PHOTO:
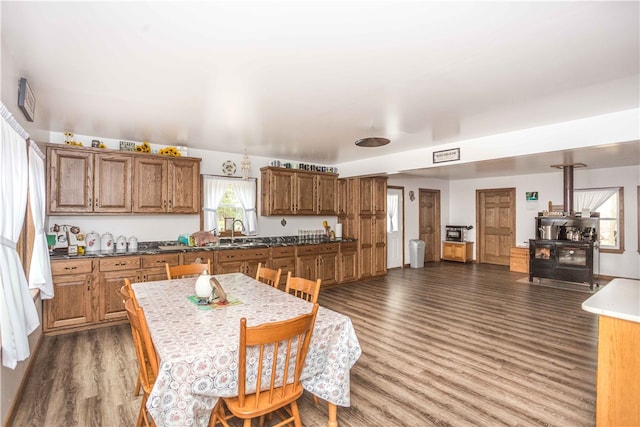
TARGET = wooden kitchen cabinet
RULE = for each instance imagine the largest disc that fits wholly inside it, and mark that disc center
(318, 262)
(241, 260)
(81, 181)
(294, 192)
(283, 257)
(519, 259)
(191, 257)
(457, 251)
(113, 271)
(72, 304)
(166, 185)
(348, 268)
(153, 266)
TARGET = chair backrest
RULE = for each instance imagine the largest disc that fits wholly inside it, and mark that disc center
(268, 275)
(280, 348)
(145, 351)
(303, 288)
(178, 271)
(127, 292)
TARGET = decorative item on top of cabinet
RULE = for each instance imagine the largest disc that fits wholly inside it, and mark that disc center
(295, 192)
(80, 181)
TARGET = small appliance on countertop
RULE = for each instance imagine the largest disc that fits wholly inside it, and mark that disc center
(455, 233)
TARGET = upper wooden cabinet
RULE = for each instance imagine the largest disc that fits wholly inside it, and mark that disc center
(293, 192)
(91, 180)
(166, 185)
(86, 182)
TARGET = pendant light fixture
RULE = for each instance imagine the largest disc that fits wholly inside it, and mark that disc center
(372, 141)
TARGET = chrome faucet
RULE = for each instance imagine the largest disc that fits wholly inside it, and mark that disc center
(233, 227)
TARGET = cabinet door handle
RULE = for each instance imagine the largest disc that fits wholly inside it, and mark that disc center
(170, 204)
(70, 268)
(88, 284)
(160, 262)
(90, 203)
(96, 203)
(164, 204)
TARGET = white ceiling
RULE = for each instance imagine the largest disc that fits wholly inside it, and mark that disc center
(304, 80)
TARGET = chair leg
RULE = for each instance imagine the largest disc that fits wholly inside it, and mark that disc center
(136, 391)
(247, 422)
(315, 400)
(296, 415)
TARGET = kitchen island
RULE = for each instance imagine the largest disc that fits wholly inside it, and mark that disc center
(618, 377)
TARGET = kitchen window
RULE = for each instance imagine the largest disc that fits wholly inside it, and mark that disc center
(608, 202)
(229, 198)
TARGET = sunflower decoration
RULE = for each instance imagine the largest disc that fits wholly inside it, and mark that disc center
(170, 151)
(143, 148)
(68, 139)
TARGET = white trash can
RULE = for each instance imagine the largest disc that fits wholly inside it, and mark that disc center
(416, 253)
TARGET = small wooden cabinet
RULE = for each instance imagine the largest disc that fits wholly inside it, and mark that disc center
(295, 192)
(457, 251)
(166, 185)
(519, 259)
(72, 304)
(82, 181)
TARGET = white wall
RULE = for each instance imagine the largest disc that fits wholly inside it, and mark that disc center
(550, 188)
(411, 208)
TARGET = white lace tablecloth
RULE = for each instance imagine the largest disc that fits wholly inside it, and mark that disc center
(198, 349)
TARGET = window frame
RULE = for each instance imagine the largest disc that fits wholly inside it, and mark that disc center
(226, 178)
(620, 220)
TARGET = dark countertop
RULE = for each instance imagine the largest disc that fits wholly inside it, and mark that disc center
(151, 248)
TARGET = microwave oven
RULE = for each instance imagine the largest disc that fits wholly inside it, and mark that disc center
(456, 233)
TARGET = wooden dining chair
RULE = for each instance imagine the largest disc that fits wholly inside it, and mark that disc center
(186, 270)
(303, 288)
(147, 358)
(268, 275)
(278, 350)
(127, 290)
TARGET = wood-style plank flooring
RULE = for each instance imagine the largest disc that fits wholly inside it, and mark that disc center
(446, 345)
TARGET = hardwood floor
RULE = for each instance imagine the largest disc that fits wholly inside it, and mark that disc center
(449, 344)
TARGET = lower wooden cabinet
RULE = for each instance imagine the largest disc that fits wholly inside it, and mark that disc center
(72, 306)
(284, 258)
(457, 251)
(318, 262)
(240, 261)
(87, 290)
(153, 266)
(348, 267)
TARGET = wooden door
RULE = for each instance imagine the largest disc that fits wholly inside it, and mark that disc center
(496, 219)
(72, 303)
(183, 186)
(379, 230)
(70, 181)
(327, 190)
(343, 197)
(429, 223)
(150, 185)
(306, 267)
(111, 306)
(328, 268)
(113, 181)
(348, 266)
(379, 193)
(305, 190)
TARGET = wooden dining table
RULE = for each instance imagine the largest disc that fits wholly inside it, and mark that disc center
(197, 345)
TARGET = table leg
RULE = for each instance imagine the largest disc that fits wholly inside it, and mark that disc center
(333, 412)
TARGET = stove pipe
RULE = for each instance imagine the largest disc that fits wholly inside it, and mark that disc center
(567, 205)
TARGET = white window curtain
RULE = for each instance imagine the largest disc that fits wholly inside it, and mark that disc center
(214, 189)
(40, 269)
(591, 199)
(18, 315)
(246, 193)
(392, 212)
